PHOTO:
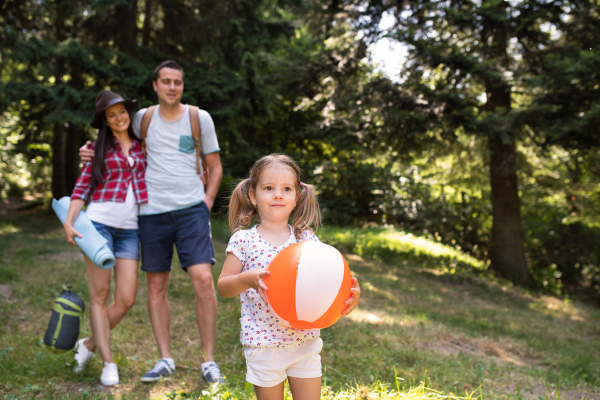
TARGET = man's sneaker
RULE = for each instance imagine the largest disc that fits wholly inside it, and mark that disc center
(160, 370)
(110, 374)
(82, 355)
(211, 372)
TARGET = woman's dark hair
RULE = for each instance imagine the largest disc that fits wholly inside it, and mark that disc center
(103, 143)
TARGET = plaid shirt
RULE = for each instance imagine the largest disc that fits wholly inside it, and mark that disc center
(117, 175)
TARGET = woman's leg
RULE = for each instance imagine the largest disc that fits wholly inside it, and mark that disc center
(126, 275)
(99, 281)
(305, 388)
(270, 393)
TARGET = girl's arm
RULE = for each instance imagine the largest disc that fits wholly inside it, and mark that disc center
(353, 300)
(233, 281)
(74, 209)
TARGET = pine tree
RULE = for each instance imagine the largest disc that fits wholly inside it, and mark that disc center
(58, 55)
(474, 68)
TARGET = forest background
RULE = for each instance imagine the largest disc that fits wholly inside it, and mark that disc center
(486, 140)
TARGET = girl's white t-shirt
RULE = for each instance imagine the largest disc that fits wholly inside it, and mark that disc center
(259, 324)
(114, 214)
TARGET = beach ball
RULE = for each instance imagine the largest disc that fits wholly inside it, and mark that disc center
(308, 285)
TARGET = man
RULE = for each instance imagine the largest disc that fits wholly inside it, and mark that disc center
(177, 213)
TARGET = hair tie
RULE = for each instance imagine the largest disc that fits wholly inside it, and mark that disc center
(300, 184)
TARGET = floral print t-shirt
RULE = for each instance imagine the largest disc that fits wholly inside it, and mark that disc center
(260, 326)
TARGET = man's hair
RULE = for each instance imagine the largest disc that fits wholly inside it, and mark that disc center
(167, 64)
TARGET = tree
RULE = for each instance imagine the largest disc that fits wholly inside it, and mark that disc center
(58, 55)
(470, 70)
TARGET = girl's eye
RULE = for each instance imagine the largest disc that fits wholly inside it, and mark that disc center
(288, 189)
(268, 187)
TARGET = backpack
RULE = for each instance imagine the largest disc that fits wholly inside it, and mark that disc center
(196, 135)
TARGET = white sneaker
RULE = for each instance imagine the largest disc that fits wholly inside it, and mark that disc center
(82, 355)
(110, 374)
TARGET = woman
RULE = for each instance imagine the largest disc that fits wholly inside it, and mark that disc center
(113, 183)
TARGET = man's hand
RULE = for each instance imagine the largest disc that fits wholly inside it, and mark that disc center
(353, 300)
(209, 203)
(211, 187)
(85, 152)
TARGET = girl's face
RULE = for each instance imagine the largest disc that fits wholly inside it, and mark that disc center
(117, 118)
(276, 194)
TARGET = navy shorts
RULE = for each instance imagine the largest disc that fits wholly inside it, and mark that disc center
(124, 243)
(187, 229)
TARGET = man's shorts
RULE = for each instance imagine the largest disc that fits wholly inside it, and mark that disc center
(269, 366)
(124, 243)
(187, 229)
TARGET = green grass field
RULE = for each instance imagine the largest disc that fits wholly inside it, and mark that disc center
(428, 327)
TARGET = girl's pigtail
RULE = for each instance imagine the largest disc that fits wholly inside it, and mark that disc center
(241, 209)
(307, 212)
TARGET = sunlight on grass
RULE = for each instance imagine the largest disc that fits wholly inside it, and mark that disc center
(377, 390)
(360, 315)
(391, 245)
(9, 228)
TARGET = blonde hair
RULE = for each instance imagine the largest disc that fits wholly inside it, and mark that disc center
(242, 211)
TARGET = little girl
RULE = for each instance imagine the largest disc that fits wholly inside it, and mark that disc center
(273, 352)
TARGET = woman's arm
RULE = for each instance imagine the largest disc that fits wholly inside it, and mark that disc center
(70, 232)
(233, 281)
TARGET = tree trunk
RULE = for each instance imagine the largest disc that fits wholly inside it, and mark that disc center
(59, 188)
(146, 27)
(72, 156)
(507, 250)
(127, 38)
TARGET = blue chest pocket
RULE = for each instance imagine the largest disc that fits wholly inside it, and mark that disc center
(187, 144)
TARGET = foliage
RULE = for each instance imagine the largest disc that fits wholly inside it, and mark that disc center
(290, 76)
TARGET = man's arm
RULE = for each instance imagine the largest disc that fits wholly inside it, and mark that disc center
(213, 161)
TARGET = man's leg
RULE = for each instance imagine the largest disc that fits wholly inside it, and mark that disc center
(206, 307)
(196, 254)
(158, 308)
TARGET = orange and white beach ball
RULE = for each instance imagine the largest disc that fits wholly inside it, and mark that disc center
(308, 285)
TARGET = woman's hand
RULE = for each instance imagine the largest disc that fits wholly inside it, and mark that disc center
(71, 232)
(353, 300)
(255, 278)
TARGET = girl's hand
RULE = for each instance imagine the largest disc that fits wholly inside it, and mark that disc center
(353, 300)
(71, 232)
(255, 279)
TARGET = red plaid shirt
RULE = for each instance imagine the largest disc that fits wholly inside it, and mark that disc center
(117, 175)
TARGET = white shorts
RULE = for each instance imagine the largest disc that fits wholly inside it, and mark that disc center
(269, 366)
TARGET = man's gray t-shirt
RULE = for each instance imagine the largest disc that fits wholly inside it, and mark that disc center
(171, 177)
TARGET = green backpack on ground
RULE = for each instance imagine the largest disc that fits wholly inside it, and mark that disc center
(63, 328)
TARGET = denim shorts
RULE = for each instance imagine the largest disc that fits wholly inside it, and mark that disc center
(187, 229)
(124, 243)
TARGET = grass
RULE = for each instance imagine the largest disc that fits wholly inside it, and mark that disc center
(421, 331)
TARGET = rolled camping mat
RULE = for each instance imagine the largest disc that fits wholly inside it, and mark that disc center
(92, 243)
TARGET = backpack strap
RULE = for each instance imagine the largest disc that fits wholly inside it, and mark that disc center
(197, 135)
(144, 126)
